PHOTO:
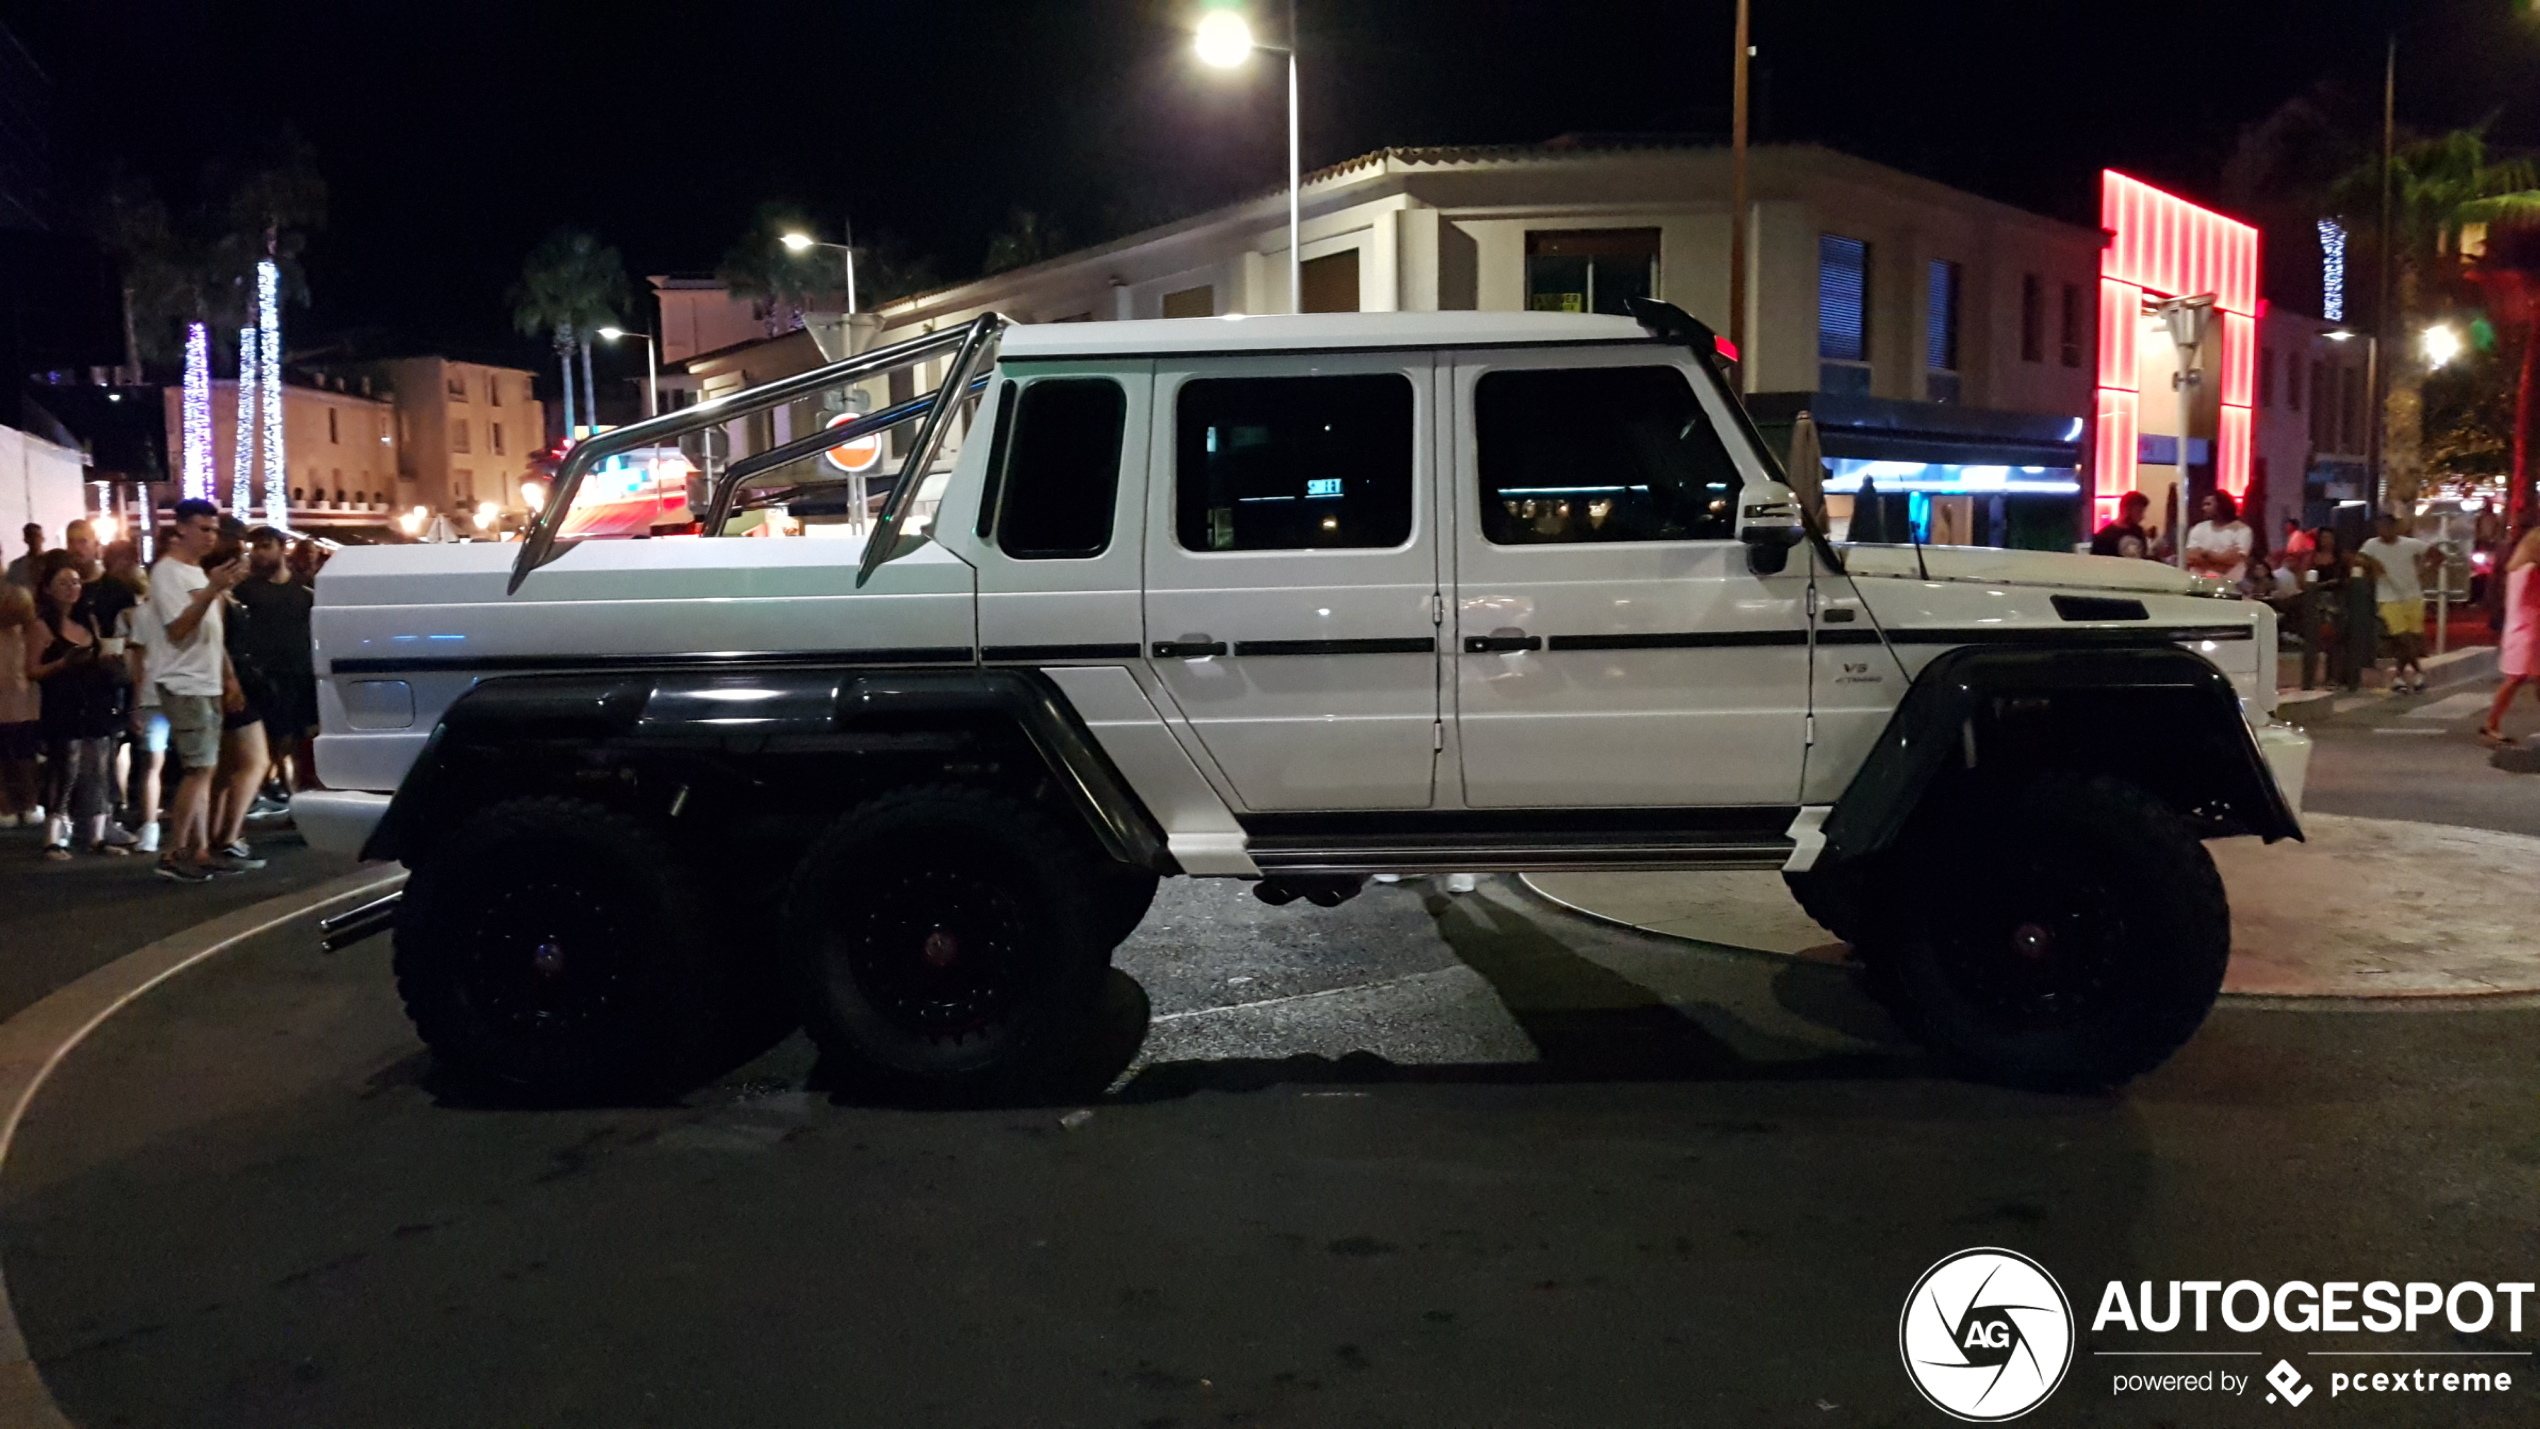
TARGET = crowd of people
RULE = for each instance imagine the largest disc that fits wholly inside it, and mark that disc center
(2348, 608)
(110, 674)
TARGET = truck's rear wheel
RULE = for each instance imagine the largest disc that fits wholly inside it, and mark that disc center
(2069, 942)
(549, 949)
(948, 944)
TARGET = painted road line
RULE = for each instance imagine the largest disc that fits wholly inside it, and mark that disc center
(2403, 729)
(35, 1041)
(2451, 707)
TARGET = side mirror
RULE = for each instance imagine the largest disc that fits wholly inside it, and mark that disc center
(1768, 523)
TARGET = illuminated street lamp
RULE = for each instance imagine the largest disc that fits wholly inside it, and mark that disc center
(1225, 39)
(652, 372)
(2440, 344)
(803, 243)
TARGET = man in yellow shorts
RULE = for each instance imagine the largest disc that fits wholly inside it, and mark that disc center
(2400, 564)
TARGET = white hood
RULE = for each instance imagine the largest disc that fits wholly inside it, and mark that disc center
(2032, 568)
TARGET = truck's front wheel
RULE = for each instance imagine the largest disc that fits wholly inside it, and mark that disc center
(2070, 942)
(549, 949)
(949, 943)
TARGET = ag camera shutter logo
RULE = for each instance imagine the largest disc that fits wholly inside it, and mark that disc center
(1986, 1335)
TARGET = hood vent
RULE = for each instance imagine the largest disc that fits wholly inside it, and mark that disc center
(2098, 607)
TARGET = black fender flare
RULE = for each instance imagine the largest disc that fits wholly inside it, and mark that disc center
(738, 715)
(2158, 713)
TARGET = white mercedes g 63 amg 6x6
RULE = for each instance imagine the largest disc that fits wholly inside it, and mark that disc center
(1292, 599)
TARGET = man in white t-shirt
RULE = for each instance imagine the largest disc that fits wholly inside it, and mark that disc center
(2399, 569)
(2219, 545)
(188, 665)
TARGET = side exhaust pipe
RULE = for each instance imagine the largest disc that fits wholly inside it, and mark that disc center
(345, 929)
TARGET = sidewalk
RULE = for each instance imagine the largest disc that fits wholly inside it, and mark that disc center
(2366, 908)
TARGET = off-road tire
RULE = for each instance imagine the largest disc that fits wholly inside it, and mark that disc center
(948, 944)
(550, 950)
(2070, 941)
(1121, 901)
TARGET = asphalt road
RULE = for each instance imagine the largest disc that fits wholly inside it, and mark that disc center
(1421, 1160)
(61, 919)
(2418, 757)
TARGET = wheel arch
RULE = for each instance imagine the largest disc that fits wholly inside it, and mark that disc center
(2159, 716)
(761, 728)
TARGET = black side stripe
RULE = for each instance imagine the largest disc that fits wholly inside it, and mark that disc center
(718, 660)
(1679, 640)
(997, 654)
(2094, 636)
(1422, 645)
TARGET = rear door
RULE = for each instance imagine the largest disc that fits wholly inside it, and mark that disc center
(1611, 647)
(1292, 574)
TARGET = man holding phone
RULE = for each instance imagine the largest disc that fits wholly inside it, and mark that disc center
(188, 667)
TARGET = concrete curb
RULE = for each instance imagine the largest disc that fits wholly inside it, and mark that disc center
(35, 1041)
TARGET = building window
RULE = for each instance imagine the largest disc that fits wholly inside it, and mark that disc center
(1059, 478)
(2266, 376)
(1293, 463)
(2319, 406)
(2068, 326)
(458, 434)
(1599, 454)
(2032, 318)
(1945, 282)
(463, 485)
(1843, 314)
(494, 438)
(1331, 283)
(2293, 382)
(493, 389)
(331, 437)
(456, 385)
(1590, 270)
(1199, 302)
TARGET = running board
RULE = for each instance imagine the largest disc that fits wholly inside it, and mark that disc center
(1276, 855)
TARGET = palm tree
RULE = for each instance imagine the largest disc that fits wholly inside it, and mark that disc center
(780, 283)
(2439, 187)
(570, 288)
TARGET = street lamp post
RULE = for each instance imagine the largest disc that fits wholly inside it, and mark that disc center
(804, 243)
(1226, 40)
(652, 367)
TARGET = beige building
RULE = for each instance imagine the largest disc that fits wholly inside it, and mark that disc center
(1944, 342)
(467, 432)
(340, 453)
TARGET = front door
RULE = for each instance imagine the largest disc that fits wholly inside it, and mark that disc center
(1292, 574)
(1611, 647)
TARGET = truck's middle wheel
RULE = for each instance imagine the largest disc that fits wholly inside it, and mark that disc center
(947, 944)
(2070, 941)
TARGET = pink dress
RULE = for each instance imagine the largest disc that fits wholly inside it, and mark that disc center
(2519, 652)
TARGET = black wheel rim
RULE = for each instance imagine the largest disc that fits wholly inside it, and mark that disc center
(938, 953)
(551, 965)
(2041, 943)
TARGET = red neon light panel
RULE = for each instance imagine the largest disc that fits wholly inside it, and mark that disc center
(2161, 246)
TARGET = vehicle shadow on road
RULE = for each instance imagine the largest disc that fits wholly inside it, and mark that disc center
(1589, 1022)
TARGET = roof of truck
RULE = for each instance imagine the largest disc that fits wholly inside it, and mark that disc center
(1311, 332)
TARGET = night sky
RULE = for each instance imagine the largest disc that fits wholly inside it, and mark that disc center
(455, 133)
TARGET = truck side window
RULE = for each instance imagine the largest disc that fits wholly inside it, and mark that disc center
(1061, 469)
(1599, 454)
(1293, 463)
